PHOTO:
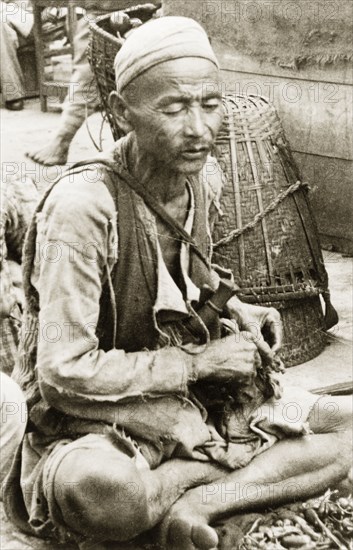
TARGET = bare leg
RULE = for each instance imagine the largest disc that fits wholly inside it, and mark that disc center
(82, 95)
(11, 77)
(107, 494)
(120, 502)
(57, 150)
(290, 470)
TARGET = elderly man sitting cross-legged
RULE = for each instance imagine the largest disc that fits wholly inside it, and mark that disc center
(147, 402)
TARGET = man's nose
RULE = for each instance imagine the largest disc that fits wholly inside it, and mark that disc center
(195, 124)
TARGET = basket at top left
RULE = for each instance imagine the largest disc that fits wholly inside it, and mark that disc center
(102, 49)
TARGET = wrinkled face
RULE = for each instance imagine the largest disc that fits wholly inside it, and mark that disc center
(176, 111)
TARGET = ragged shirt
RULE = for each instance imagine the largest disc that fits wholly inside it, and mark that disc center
(76, 239)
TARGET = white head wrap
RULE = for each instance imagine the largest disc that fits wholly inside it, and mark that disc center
(157, 41)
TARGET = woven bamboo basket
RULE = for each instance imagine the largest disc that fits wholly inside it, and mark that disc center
(102, 49)
(267, 235)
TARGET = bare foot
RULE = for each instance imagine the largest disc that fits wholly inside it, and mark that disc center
(190, 533)
(186, 528)
(54, 153)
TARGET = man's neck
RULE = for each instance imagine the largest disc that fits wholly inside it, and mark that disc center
(165, 185)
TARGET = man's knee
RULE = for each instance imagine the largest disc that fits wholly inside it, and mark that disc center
(101, 496)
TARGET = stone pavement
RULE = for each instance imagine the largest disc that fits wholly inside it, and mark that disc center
(30, 128)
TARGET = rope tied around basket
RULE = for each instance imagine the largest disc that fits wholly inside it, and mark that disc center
(261, 215)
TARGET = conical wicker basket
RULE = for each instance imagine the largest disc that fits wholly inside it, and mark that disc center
(267, 234)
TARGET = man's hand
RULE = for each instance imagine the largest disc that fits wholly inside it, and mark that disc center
(262, 322)
(234, 358)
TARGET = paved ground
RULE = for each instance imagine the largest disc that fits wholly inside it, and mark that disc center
(29, 128)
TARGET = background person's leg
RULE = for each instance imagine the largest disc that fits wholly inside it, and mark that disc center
(13, 20)
(11, 77)
(82, 98)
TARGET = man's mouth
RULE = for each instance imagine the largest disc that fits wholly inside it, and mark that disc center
(194, 153)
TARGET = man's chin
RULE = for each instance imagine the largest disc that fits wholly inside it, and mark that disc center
(191, 167)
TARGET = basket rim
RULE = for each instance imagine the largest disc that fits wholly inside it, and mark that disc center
(280, 293)
(97, 30)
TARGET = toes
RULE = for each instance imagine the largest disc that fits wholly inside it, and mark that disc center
(184, 535)
(49, 156)
(204, 537)
(47, 160)
(34, 156)
(179, 535)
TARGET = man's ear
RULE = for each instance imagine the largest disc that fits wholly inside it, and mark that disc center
(120, 111)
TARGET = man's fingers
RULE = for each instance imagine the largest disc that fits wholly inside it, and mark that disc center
(272, 329)
(276, 336)
(258, 360)
(264, 350)
(277, 346)
(262, 346)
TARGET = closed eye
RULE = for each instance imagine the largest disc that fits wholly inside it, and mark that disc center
(211, 104)
(173, 108)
